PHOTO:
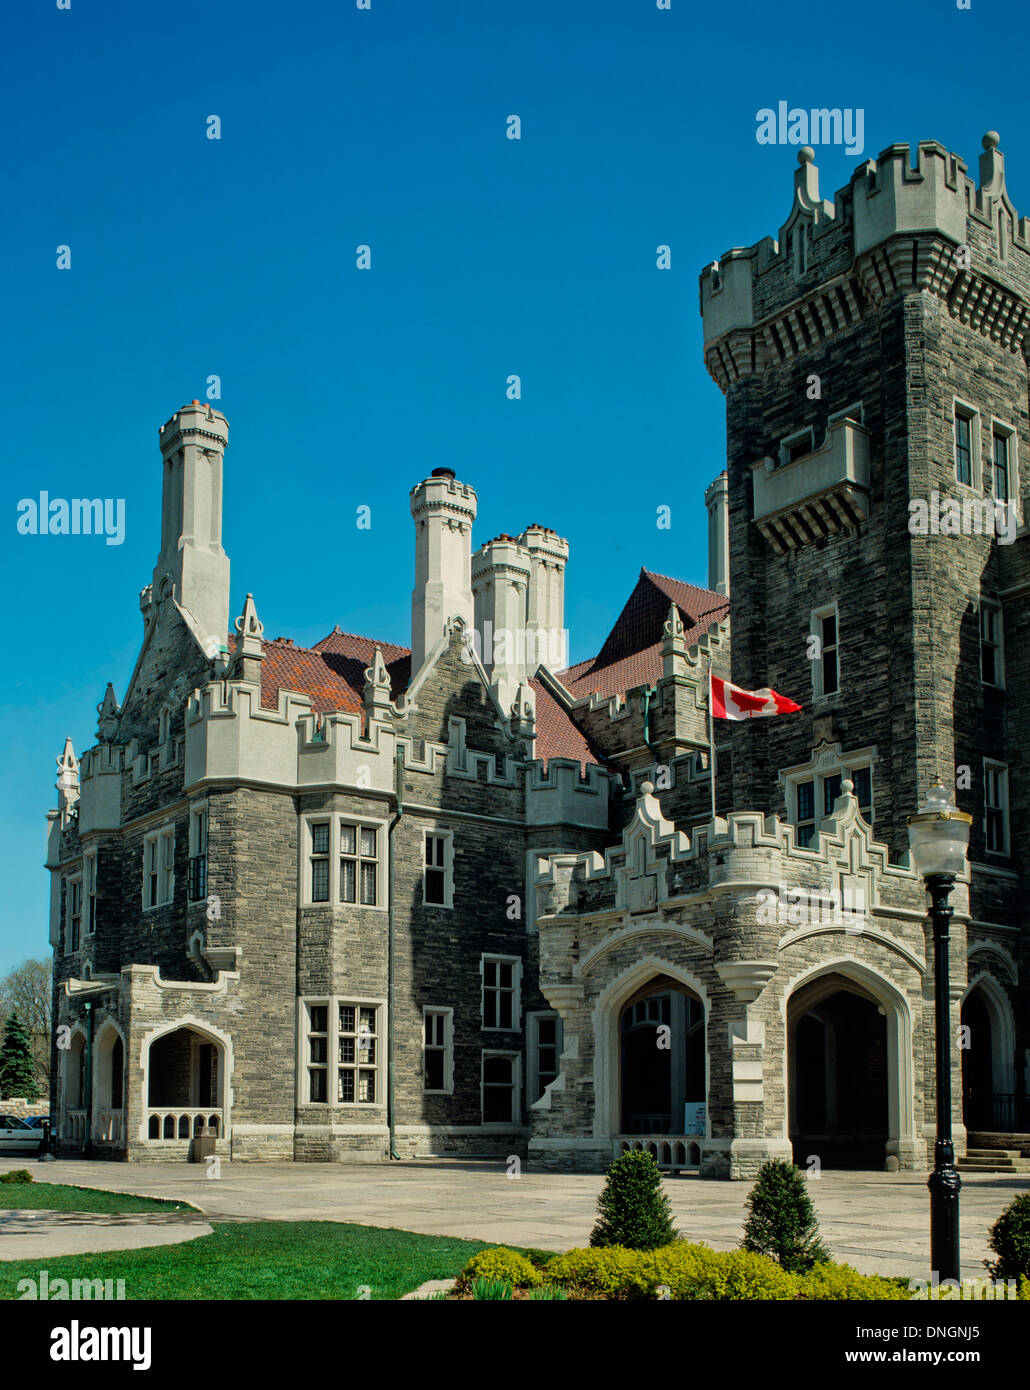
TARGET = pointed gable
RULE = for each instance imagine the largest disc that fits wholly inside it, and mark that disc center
(631, 654)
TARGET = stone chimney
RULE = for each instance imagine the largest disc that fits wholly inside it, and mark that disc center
(443, 510)
(191, 557)
(500, 582)
(717, 500)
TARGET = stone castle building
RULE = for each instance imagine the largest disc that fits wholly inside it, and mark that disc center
(352, 901)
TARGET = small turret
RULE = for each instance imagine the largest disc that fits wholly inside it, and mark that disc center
(249, 654)
(67, 780)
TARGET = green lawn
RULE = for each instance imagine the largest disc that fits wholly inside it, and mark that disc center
(266, 1259)
(36, 1196)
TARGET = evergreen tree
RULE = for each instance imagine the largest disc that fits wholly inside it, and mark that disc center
(633, 1208)
(782, 1222)
(17, 1069)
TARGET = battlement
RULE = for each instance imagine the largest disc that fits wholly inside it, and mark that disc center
(563, 793)
(655, 863)
(833, 259)
(191, 423)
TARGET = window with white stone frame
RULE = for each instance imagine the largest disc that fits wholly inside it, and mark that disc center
(824, 651)
(996, 807)
(502, 993)
(158, 867)
(89, 884)
(500, 1088)
(543, 1051)
(340, 1052)
(438, 1050)
(812, 792)
(992, 668)
(343, 860)
(438, 869)
(967, 444)
(74, 934)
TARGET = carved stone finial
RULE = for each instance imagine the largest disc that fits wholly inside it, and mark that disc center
(647, 789)
(109, 711)
(67, 777)
(377, 686)
(248, 624)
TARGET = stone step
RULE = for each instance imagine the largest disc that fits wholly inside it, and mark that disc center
(992, 1153)
(993, 1165)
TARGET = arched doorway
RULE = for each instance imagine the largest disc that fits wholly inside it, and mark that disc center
(76, 1094)
(989, 1101)
(109, 1068)
(661, 1059)
(185, 1084)
(838, 1060)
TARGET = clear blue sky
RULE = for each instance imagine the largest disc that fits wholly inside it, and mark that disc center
(489, 256)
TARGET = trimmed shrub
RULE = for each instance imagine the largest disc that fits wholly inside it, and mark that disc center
(16, 1175)
(611, 1272)
(830, 1281)
(1010, 1241)
(782, 1220)
(689, 1272)
(634, 1210)
(499, 1263)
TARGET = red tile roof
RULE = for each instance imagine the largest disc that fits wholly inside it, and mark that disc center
(556, 734)
(332, 672)
(631, 654)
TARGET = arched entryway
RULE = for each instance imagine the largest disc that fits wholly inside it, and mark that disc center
(661, 1059)
(849, 1070)
(185, 1084)
(987, 1046)
(109, 1094)
(74, 1090)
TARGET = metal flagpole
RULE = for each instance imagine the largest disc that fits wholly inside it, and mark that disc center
(711, 737)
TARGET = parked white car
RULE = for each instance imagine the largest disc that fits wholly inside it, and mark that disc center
(18, 1137)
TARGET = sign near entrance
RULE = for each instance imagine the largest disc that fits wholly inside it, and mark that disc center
(694, 1118)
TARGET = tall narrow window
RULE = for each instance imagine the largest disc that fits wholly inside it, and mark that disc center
(824, 650)
(545, 1045)
(74, 913)
(359, 866)
(318, 1052)
(501, 1007)
(806, 812)
(996, 808)
(320, 861)
(437, 874)
(197, 876)
(1001, 466)
(499, 1073)
(964, 447)
(990, 643)
(167, 865)
(357, 1049)
(150, 874)
(438, 1050)
(89, 866)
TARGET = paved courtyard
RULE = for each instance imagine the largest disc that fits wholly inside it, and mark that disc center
(877, 1222)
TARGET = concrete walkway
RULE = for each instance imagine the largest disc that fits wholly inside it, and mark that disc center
(877, 1222)
(42, 1235)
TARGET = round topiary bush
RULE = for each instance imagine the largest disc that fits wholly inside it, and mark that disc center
(499, 1265)
(16, 1175)
(782, 1220)
(1010, 1241)
(634, 1210)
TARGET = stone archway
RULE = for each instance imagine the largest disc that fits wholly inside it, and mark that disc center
(629, 1012)
(109, 1085)
(185, 1082)
(988, 1057)
(850, 1098)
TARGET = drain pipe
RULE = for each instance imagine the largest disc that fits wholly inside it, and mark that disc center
(648, 693)
(391, 1117)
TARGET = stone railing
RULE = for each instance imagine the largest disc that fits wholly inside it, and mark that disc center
(73, 1131)
(672, 1152)
(178, 1122)
(110, 1126)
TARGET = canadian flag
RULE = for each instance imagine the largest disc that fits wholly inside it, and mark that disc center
(730, 702)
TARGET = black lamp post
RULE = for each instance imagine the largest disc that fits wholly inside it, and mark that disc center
(939, 838)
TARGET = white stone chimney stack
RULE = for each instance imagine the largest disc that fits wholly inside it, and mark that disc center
(443, 511)
(545, 608)
(192, 448)
(717, 500)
